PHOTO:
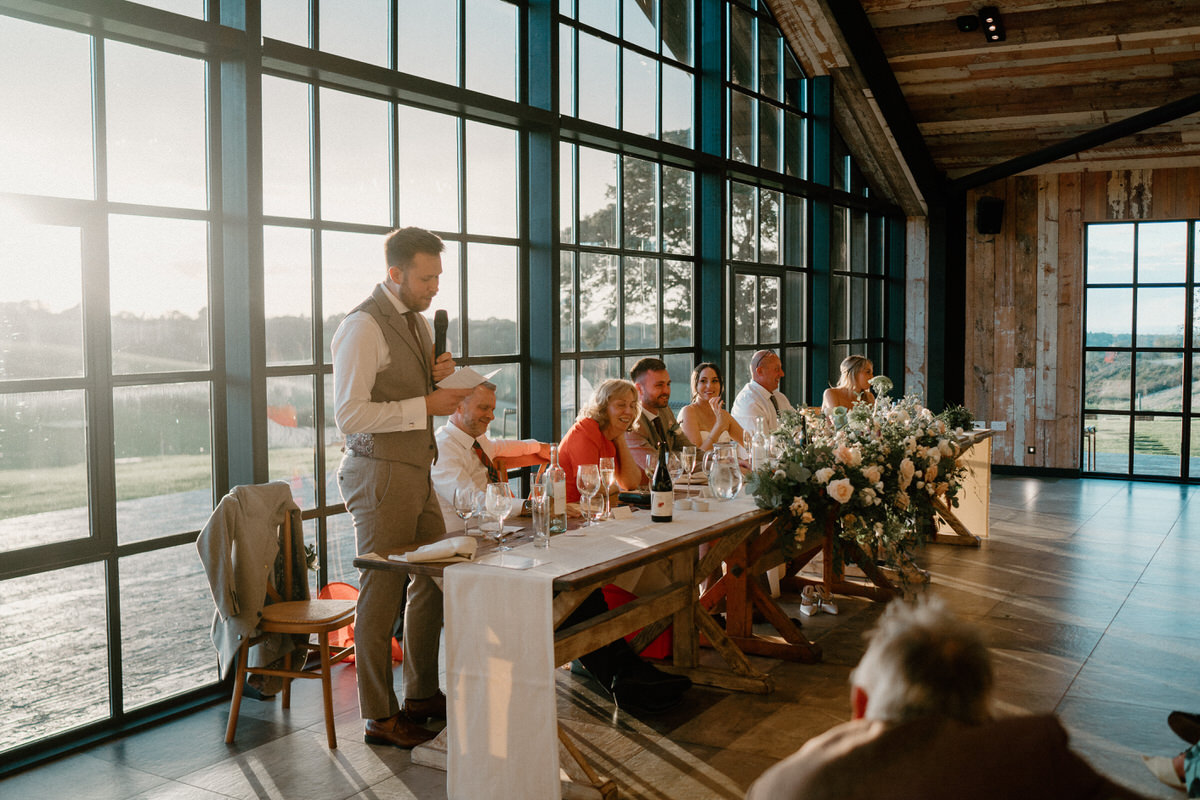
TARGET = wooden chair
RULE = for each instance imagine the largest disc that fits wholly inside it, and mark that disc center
(303, 617)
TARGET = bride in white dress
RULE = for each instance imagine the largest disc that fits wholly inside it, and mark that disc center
(705, 419)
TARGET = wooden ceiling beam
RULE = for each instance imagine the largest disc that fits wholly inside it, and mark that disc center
(1117, 130)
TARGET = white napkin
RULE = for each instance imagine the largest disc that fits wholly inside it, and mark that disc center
(458, 548)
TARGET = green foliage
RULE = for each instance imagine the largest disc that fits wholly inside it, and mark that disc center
(957, 417)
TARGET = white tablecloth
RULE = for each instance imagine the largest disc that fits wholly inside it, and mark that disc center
(502, 725)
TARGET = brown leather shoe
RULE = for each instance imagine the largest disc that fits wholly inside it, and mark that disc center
(430, 708)
(397, 731)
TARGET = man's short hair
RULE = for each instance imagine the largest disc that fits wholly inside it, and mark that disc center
(924, 661)
(758, 357)
(644, 365)
(402, 244)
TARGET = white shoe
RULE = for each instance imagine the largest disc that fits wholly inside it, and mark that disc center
(826, 601)
(1163, 769)
(810, 602)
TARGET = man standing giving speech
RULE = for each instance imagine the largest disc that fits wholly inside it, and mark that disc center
(384, 371)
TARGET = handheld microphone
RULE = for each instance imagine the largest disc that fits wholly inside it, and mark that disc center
(440, 321)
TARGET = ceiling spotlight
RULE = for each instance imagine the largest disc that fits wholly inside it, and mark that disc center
(967, 23)
(993, 28)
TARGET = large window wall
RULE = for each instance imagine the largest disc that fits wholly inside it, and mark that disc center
(1141, 358)
(187, 213)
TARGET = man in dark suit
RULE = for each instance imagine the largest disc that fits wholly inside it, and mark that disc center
(384, 373)
(655, 422)
(922, 728)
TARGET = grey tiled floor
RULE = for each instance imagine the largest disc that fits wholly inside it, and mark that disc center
(1086, 590)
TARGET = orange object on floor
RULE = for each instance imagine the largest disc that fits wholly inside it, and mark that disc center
(340, 638)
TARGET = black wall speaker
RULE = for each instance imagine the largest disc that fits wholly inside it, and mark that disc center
(989, 215)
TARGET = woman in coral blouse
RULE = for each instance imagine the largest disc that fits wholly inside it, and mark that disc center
(599, 431)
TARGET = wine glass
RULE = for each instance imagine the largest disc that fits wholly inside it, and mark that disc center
(608, 477)
(464, 505)
(499, 504)
(674, 467)
(687, 459)
(651, 465)
(587, 480)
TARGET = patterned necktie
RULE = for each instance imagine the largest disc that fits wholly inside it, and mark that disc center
(775, 404)
(493, 474)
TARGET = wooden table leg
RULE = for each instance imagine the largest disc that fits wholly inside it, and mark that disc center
(961, 535)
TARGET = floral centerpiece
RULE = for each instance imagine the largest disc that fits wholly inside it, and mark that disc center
(871, 471)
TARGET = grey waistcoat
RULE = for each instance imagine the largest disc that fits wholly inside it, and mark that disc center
(405, 376)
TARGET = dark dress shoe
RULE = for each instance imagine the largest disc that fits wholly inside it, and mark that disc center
(1185, 725)
(642, 688)
(396, 731)
(430, 708)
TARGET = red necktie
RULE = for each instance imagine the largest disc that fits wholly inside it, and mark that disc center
(493, 474)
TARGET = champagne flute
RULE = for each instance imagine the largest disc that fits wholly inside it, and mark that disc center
(464, 505)
(587, 480)
(499, 505)
(675, 467)
(608, 476)
(687, 458)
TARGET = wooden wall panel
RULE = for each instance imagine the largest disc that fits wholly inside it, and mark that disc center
(1024, 296)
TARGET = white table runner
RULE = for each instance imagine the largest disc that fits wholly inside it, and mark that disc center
(501, 721)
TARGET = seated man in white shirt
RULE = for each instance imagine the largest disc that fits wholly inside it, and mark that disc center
(467, 456)
(761, 396)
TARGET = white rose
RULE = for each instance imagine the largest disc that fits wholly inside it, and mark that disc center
(824, 474)
(840, 490)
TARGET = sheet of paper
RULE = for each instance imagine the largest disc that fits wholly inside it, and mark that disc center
(465, 378)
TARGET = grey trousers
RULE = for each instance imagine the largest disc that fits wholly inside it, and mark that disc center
(392, 504)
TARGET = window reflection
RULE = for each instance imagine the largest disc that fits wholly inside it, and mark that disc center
(355, 29)
(146, 578)
(287, 295)
(287, 185)
(492, 299)
(491, 44)
(640, 295)
(162, 438)
(1109, 317)
(1110, 253)
(1162, 252)
(429, 159)
(639, 94)
(41, 316)
(597, 301)
(491, 180)
(355, 171)
(158, 290)
(46, 137)
(43, 436)
(597, 186)
(597, 99)
(640, 192)
(292, 436)
(428, 36)
(69, 606)
(155, 127)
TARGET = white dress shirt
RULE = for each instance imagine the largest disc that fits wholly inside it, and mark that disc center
(755, 401)
(458, 466)
(359, 354)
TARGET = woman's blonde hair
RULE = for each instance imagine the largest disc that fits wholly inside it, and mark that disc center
(597, 405)
(851, 366)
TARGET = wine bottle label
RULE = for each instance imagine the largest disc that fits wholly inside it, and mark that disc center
(662, 506)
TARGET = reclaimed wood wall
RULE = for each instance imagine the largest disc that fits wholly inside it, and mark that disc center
(1024, 298)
